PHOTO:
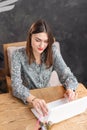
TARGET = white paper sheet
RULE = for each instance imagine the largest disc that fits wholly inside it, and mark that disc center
(61, 109)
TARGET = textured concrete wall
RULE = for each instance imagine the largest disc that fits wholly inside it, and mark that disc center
(68, 19)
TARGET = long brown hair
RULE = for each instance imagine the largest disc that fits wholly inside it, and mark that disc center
(38, 27)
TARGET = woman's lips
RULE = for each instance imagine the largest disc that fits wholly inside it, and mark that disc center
(40, 49)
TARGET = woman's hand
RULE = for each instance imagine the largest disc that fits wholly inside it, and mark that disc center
(40, 106)
(70, 94)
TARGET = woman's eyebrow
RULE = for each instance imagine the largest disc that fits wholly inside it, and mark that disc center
(37, 38)
(41, 39)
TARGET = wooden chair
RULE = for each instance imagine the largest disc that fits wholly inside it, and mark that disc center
(6, 59)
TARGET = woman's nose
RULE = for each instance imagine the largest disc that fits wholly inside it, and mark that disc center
(42, 44)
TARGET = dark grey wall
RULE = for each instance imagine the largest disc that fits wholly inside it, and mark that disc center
(68, 20)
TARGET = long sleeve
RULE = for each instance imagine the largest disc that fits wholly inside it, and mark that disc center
(18, 89)
(66, 77)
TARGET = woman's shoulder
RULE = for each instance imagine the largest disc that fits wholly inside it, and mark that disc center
(56, 47)
(19, 52)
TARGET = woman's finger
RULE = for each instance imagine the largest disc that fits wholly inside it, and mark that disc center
(39, 111)
(40, 106)
(70, 94)
(44, 107)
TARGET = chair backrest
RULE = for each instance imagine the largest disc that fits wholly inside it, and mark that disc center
(6, 58)
(12, 47)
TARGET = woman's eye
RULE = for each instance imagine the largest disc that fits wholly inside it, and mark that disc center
(37, 40)
(46, 42)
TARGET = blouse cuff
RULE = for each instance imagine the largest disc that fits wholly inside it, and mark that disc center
(69, 84)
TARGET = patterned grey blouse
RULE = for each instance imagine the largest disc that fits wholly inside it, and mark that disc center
(25, 77)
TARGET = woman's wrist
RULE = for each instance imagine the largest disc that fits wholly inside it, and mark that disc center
(71, 89)
(31, 98)
(34, 99)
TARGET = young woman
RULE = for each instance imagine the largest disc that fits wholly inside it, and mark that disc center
(31, 67)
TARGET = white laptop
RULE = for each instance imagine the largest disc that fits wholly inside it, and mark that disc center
(61, 109)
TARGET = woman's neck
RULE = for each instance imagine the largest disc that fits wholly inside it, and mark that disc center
(37, 58)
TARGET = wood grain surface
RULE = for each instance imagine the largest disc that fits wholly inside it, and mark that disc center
(14, 115)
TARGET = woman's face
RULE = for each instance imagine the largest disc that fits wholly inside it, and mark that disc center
(39, 42)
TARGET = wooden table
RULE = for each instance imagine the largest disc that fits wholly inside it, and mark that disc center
(14, 115)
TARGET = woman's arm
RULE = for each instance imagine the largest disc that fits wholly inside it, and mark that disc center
(66, 77)
(18, 89)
